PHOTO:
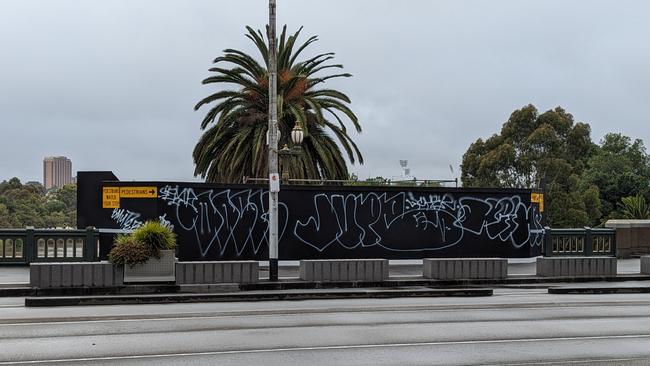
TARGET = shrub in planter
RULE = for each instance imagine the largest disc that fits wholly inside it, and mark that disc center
(156, 237)
(142, 244)
(128, 251)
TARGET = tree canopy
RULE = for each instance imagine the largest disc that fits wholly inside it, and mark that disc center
(29, 204)
(234, 142)
(533, 148)
(619, 168)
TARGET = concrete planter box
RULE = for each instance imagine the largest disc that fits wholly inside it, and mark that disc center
(217, 272)
(464, 268)
(161, 269)
(366, 270)
(576, 266)
(75, 274)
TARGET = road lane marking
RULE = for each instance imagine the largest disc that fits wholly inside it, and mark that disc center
(325, 348)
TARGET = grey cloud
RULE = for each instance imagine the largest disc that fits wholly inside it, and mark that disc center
(112, 84)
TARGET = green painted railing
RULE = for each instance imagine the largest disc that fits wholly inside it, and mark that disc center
(24, 246)
(579, 242)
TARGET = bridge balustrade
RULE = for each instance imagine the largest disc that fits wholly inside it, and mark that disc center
(24, 246)
(579, 242)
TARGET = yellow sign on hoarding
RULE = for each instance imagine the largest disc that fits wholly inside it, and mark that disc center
(111, 197)
(538, 198)
(138, 192)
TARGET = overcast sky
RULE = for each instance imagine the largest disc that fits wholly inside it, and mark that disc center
(112, 84)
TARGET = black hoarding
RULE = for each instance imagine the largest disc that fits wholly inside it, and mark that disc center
(218, 222)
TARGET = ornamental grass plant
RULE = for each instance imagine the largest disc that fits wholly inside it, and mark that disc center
(142, 244)
(155, 236)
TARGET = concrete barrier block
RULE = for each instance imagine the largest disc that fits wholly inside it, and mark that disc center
(576, 266)
(316, 269)
(108, 278)
(87, 275)
(464, 268)
(367, 270)
(336, 271)
(343, 271)
(351, 271)
(645, 264)
(236, 273)
(360, 270)
(227, 272)
(473, 269)
(449, 269)
(217, 272)
(75, 274)
(56, 275)
(66, 275)
(489, 269)
(209, 272)
(34, 273)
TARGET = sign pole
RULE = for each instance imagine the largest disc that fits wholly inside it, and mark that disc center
(274, 179)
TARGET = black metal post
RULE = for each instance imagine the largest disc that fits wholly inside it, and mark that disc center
(548, 242)
(90, 245)
(589, 243)
(273, 269)
(29, 247)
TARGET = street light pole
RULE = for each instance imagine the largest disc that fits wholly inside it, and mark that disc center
(274, 179)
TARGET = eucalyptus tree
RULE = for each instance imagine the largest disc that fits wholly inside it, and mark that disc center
(233, 144)
(531, 148)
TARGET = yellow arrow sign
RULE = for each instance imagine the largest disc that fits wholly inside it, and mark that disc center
(138, 192)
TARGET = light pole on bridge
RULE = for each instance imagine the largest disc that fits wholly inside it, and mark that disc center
(273, 136)
(274, 178)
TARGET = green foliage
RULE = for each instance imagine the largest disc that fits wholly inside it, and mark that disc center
(353, 180)
(377, 181)
(128, 251)
(234, 142)
(534, 147)
(30, 205)
(620, 168)
(155, 236)
(143, 243)
(634, 207)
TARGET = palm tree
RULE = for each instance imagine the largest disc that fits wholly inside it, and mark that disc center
(234, 142)
(634, 207)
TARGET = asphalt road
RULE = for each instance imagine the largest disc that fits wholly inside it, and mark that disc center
(516, 326)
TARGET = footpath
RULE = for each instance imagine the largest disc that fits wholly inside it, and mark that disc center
(405, 280)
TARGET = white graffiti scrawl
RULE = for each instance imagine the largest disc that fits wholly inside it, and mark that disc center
(225, 218)
(127, 220)
(368, 219)
(233, 222)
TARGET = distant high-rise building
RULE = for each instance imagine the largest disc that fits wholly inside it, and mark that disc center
(57, 171)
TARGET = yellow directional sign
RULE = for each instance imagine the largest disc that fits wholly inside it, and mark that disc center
(538, 198)
(138, 192)
(111, 197)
